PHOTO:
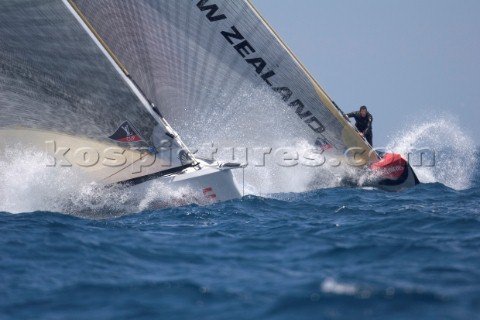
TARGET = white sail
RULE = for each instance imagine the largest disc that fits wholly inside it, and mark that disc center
(90, 69)
(59, 88)
(213, 61)
(197, 56)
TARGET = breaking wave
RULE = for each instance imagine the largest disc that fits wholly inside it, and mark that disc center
(28, 184)
(439, 151)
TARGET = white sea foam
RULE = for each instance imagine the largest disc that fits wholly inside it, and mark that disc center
(257, 120)
(28, 184)
(329, 285)
(449, 153)
(449, 156)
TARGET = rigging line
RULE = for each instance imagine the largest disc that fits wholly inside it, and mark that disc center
(243, 181)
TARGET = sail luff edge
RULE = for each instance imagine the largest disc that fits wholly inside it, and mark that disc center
(322, 94)
(122, 71)
(95, 33)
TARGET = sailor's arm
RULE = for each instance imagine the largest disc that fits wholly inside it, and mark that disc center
(349, 115)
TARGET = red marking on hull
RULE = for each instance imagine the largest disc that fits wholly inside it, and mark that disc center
(391, 166)
(206, 193)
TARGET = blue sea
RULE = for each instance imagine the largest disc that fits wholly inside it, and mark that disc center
(337, 253)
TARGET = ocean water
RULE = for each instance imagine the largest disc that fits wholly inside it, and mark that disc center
(72, 250)
(334, 253)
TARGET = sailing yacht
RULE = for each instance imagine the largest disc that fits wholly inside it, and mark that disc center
(63, 90)
(93, 82)
(214, 61)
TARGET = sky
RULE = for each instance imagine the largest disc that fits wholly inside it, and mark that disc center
(408, 61)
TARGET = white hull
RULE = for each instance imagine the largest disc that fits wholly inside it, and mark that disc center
(200, 185)
(145, 176)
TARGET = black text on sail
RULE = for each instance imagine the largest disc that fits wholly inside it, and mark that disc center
(245, 49)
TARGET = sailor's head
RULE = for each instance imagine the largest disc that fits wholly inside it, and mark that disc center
(363, 111)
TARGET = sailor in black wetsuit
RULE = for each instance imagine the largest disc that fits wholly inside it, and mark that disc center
(363, 122)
